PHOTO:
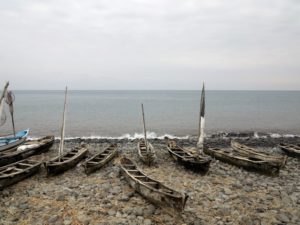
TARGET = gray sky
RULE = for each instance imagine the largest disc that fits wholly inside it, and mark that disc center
(153, 44)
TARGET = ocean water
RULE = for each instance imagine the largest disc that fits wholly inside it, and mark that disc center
(118, 113)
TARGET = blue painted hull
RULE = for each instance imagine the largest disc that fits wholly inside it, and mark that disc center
(10, 141)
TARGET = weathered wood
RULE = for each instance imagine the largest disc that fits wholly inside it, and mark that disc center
(100, 159)
(290, 149)
(28, 149)
(67, 161)
(62, 133)
(18, 171)
(147, 157)
(234, 158)
(251, 152)
(196, 163)
(144, 128)
(152, 190)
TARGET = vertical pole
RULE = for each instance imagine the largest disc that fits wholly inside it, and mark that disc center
(144, 126)
(62, 133)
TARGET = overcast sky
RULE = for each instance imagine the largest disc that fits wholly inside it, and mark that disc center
(153, 44)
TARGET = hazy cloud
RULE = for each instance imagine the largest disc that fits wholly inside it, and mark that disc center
(159, 44)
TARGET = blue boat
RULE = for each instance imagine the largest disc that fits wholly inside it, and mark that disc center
(10, 141)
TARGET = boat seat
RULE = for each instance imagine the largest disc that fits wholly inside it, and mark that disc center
(150, 182)
(141, 176)
(132, 170)
(92, 162)
(25, 164)
(65, 158)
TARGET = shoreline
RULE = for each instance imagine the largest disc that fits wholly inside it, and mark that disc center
(154, 136)
(225, 195)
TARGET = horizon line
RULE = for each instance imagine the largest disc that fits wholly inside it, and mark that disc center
(153, 90)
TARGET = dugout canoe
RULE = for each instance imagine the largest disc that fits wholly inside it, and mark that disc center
(247, 162)
(147, 156)
(66, 161)
(252, 152)
(10, 140)
(100, 159)
(153, 190)
(290, 149)
(187, 159)
(26, 150)
(18, 171)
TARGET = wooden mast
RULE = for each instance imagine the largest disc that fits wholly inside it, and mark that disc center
(144, 126)
(62, 133)
(2, 99)
(201, 121)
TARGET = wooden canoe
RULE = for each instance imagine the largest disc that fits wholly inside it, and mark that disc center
(100, 159)
(18, 171)
(290, 149)
(26, 150)
(66, 161)
(154, 191)
(10, 141)
(147, 157)
(247, 162)
(252, 152)
(187, 159)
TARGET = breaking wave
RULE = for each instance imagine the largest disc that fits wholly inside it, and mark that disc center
(153, 135)
(150, 135)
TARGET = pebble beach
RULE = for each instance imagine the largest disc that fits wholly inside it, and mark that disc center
(225, 195)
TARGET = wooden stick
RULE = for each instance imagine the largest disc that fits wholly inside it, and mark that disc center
(62, 133)
(144, 126)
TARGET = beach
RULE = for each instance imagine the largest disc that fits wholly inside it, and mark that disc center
(225, 195)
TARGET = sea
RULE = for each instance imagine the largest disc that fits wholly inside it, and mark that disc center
(117, 114)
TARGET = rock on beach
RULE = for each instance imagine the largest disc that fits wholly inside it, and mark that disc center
(225, 195)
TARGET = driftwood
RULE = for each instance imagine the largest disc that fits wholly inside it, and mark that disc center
(152, 190)
(100, 159)
(18, 171)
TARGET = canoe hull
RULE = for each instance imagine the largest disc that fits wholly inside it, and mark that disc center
(195, 163)
(158, 194)
(147, 158)
(192, 164)
(9, 180)
(251, 152)
(8, 142)
(252, 164)
(15, 155)
(88, 168)
(156, 197)
(289, 151)
(53, 167)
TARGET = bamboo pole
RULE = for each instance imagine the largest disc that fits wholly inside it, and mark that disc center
(144, 126)
(62, 133)
(201, 121)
